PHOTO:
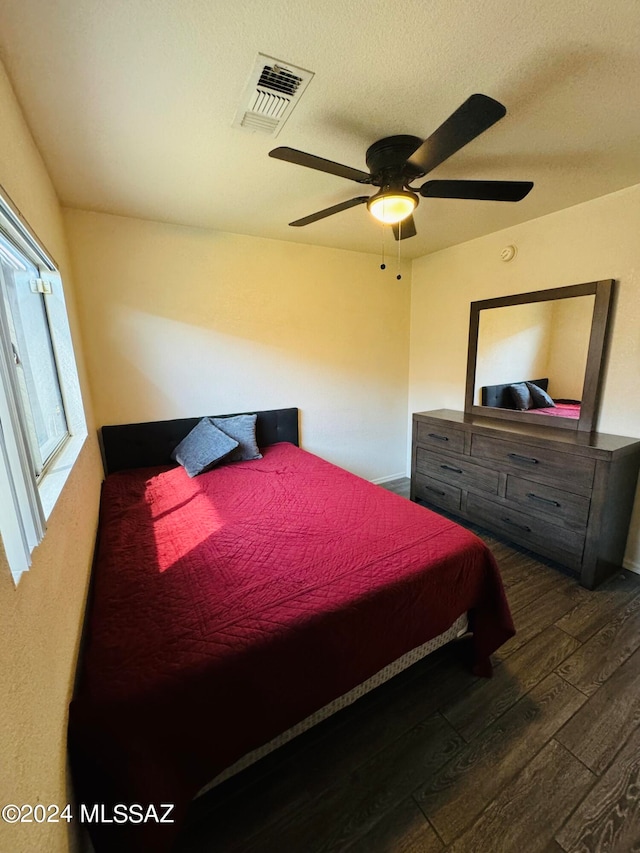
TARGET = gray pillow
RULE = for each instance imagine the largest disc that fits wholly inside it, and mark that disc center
(204, 447)
(521, 396)
(540, 398)
(243, 429)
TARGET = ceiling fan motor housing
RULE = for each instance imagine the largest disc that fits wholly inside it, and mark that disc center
(387, 160)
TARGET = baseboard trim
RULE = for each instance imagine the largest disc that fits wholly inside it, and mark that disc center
(631, 566)
(380, 480)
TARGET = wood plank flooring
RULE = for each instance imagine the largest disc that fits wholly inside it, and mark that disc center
(545, 756)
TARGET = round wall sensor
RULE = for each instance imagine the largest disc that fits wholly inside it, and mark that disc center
(508, 253)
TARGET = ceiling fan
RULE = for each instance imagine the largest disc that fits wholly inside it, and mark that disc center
(395, 161)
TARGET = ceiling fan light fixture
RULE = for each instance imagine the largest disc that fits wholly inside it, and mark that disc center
(392, 206)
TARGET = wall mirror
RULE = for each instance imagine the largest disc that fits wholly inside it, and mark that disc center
(550, 341)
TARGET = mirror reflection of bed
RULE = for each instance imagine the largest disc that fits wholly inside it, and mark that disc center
(540, 339)
(503, 397)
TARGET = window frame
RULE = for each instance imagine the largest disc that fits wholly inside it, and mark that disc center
(28, 495)
(40, 461)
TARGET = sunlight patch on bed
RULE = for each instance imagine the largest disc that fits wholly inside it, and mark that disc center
(171, 549)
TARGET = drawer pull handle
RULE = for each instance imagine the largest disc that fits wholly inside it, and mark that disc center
(515, 524)
(451, 468)
(435, 491)
(438, 437)
(529, 459)
(535, 497)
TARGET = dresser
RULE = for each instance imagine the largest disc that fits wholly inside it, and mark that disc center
(563, 494)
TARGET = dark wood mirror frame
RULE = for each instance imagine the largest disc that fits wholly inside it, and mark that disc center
(603, 292)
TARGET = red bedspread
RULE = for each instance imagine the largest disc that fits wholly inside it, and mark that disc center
(229, 607)
(560, 410)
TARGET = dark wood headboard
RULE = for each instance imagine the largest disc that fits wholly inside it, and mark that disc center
(149, 444)
(499, 397)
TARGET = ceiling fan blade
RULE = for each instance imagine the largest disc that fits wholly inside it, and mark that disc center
(329, 211)
(405, 229)
(472, 118)
(292, 155)
(480, 190)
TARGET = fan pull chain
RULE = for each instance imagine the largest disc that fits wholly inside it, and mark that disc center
(399, 276)
(383, 265)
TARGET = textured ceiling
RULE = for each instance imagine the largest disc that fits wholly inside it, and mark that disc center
(132, 103)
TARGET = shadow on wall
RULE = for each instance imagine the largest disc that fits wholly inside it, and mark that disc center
(177, 318)
(173, 370)
(282, 294)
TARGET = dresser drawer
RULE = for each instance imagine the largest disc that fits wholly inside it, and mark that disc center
(555, 504)
(433, 491)
(565, 546)
(564, 470)
(459, 471)
(440, 436)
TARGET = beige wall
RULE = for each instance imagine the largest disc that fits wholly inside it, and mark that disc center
(181, 322)
(569, 345)
(41, 618)
(591, 241)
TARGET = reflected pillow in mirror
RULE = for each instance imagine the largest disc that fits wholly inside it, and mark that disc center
(541, 400)
(521, 396)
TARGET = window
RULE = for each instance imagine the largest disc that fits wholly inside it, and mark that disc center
(42, 424)
(32, 352)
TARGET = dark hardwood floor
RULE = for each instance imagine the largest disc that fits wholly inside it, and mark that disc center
(545, 756)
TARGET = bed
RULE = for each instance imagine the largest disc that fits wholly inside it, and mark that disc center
(499, 396)
(231, 610)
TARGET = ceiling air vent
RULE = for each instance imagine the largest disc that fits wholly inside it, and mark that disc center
(273, 91)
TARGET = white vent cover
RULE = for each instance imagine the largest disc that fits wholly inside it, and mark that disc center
(273, 91)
